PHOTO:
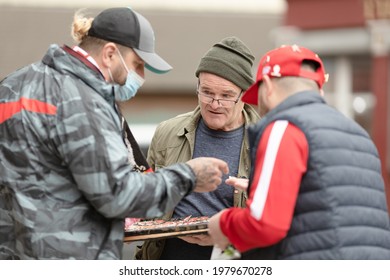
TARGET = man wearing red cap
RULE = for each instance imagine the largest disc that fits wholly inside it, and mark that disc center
(316, 189)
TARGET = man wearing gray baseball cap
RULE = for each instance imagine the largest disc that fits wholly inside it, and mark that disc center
(129, 28)
(67, 179)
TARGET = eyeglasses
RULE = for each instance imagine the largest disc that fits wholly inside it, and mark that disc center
(208, 99)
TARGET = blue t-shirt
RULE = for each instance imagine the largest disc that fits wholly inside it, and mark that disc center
(225, 145)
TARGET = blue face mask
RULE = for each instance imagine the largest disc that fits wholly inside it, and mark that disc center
(129, 89)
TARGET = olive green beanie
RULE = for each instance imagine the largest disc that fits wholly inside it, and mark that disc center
(231, 60)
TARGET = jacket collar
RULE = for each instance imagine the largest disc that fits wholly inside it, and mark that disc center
(191, 126)
(295, 100)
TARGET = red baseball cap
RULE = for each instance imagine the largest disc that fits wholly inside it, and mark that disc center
(285, 61)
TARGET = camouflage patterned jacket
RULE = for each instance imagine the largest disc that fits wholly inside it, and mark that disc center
(65, 182)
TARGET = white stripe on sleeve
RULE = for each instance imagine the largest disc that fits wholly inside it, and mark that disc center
(261, 192)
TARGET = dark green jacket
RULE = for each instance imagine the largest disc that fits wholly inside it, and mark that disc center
(173, 142)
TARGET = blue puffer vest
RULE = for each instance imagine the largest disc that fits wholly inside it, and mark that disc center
(341, 210)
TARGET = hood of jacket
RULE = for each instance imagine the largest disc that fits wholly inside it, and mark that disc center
(64, 62)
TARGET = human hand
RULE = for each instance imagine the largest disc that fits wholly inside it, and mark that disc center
(217, 236)
(208, 172)
(239, 183)
(200, 239)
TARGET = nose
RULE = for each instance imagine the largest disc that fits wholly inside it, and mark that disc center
(214, 103)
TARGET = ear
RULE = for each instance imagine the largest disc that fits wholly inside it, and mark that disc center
(268, 85)
(108, 54)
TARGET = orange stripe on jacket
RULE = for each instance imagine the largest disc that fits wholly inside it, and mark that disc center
(9, 109)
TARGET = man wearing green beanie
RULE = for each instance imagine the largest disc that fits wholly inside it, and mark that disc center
(217, 128)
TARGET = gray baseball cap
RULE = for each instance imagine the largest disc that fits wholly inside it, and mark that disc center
(129, 28)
